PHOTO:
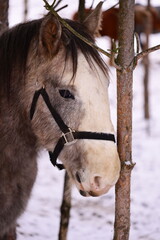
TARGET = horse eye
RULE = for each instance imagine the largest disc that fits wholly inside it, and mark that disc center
(66, 94)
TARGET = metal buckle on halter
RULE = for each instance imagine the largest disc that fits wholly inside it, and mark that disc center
(68, 137)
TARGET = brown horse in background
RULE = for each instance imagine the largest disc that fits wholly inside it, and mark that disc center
(146, 21)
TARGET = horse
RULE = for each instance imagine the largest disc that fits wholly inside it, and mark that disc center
(53, 95)
(146, 21)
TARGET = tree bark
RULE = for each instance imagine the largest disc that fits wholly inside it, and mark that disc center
(124, 117)
(65, 208)
(4, 4)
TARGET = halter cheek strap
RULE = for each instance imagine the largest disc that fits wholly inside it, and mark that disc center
(68, 136)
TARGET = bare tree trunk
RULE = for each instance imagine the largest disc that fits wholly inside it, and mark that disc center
(146, 64)
(81, 12)
(25, 10)
(146, 86)
(65, 208)
(4, 4)
(124, 115)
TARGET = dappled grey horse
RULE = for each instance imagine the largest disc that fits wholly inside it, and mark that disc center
(54, 96)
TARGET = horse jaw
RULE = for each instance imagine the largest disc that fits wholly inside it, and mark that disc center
(100, 164)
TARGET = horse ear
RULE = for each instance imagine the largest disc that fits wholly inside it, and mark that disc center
(50, 33)
(93, 21)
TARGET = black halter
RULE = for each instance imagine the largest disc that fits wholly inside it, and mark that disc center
(68, 136)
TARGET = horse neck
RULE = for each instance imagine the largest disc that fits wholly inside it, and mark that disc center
(15, 129)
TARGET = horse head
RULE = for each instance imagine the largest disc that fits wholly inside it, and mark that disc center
(76, 82)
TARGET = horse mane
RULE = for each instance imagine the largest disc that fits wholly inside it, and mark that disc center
(15, 44)
(14, 49)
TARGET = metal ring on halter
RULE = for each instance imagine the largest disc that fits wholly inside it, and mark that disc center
(68, 137)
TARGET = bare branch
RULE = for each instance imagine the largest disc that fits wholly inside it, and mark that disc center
(113, 53)
(113, 63)
(56, 3)
(112, 6)
(145, 53)
(50, 8)
(92, 4)
(137, 42)
(59, 9)
(65, 208)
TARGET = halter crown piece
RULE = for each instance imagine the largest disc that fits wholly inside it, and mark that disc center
(68, 135)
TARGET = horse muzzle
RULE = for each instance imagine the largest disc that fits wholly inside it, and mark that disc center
(94, 187)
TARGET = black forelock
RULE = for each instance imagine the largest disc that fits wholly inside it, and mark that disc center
(15, 44)
(74, 43)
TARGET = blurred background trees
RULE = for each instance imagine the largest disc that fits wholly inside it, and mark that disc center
(4, 4)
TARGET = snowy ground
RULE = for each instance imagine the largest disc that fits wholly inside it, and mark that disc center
(92, 218)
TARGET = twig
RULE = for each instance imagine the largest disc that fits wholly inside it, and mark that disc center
(113, 53)
(112, 6)
(50, 8)
(137, 42)
(56, 4)
(136, 58)
(53, 4)
(145, 53)
(59, 9)
(91, 5)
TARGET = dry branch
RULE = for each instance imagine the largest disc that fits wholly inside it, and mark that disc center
(50, 8)
(145, 53)
(137, 42)
(65, 209)
(133, 62)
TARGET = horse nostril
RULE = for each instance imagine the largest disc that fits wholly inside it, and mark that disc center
(97, 182)
(78, 177)
(83, 193)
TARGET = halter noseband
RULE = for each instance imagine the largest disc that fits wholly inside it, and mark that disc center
(68, 136)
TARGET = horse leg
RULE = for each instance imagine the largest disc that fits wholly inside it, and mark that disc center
(11, 235)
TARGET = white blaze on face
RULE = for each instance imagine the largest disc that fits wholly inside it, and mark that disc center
(92, 86)
(102, 165)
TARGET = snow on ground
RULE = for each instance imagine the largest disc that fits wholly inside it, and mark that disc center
(93, 218)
